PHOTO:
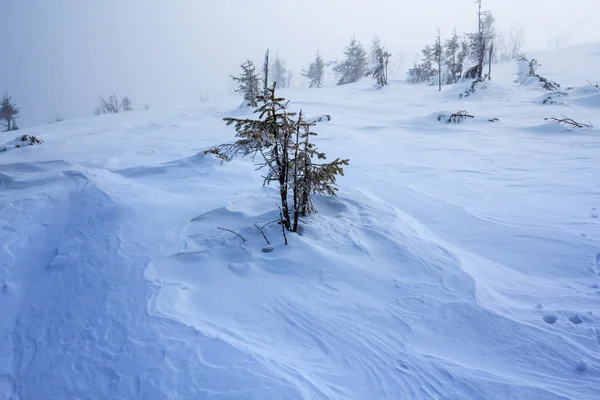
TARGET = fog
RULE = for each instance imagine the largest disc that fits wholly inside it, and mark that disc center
(58, 56)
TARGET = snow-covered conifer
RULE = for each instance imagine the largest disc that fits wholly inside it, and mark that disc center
(315, 72)
(248, 83)
(284, 144)
(481, 41)
(8, 113)
(354, 66)
(279, 72)
(451, 55)
(380, 59)
(126, 104)
(423, 72)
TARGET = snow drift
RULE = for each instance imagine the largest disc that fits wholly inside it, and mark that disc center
(460, 261)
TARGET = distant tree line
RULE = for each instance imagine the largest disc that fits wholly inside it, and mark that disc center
(357, 63)
(446, 62)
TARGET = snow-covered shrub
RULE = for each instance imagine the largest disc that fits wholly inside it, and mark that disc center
(455, 117)
(477, 83)
(113, 105)
(527, 74)
(21, 141)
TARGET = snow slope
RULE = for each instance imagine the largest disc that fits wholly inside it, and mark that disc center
(460, 261)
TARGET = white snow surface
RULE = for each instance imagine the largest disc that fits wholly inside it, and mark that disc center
(459, 261)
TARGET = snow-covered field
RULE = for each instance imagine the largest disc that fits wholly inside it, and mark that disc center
(459, 261)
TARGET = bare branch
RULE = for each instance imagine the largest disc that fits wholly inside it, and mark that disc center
(566, 121)
(235, 233)
(282, 226)
(459, 116)
(269, 223)
(261, 231)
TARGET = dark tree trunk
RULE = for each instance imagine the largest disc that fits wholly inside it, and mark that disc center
(296, 183)
(305, 199)
(490, 61)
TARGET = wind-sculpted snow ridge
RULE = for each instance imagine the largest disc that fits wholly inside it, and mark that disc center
(459, 261)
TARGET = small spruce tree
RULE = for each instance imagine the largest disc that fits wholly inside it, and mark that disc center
(248, 83)
(126, 104)
(279, 72)
(424, 72)
(9, 113)
(354, 66)
(287, 155)
(376, 44)
(316, 72)
(451, 53)
(380, 59)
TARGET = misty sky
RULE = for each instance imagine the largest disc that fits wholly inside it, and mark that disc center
(58, 56)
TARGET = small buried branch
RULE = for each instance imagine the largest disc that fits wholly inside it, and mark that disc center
(261, 231)
(269, 223)
(568, 122)
(459, 116)
(235, 233)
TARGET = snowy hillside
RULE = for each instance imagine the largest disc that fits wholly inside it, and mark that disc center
(459, 261)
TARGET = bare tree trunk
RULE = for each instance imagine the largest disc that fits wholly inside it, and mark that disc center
(266, 75)
(305, 199)
(490, 61)
(439, 50)
(481, 44)
(284, 176)
(296, 183)
(385, 72)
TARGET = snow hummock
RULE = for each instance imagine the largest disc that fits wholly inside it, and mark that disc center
(459, 261)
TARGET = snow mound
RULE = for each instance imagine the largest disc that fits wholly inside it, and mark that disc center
(587, 96)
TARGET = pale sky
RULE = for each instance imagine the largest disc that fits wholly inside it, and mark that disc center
(58, 56)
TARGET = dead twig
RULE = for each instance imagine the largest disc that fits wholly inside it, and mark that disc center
(568, 121)
(261, 231)
(269, 223)
(235, 233)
